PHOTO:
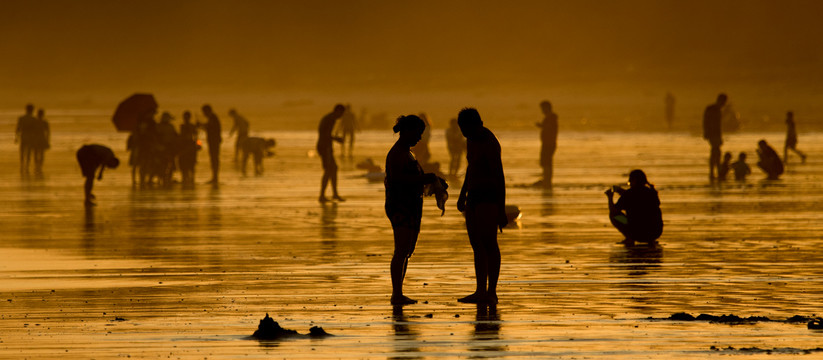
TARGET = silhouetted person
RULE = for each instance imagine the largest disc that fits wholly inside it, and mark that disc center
(257, 147)
(187, 157)
(712, 132)
(214, 138)
(167, 141)
(326, 152)
(404, 199)
(725, 166)
(669, 111)
(741, 169)
(421, 150)
(791, 139)
(637, 213)
(90, 158)
(144, 139)
(548, 141)
(348, 125)
(769, 160)
(41, 141)
(456, 144)
(24, 134)
(241, 126)
(483, 201)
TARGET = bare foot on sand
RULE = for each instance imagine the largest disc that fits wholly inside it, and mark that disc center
(473, 299)
(402, 300)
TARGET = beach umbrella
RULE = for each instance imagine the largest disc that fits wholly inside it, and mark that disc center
(129, 111)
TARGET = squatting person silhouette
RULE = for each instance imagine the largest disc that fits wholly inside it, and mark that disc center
(637, 213)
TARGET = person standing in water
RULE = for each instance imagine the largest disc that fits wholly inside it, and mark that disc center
(713, 133)
(241, 126)
(326, 152)
(637, 213)
(42, 142)
(91, 157)
(214, 138)
(483, 201)
(24, 134)
(548, 141)
(791, 139)
(404, 184)
(187, 158)
(456, 145)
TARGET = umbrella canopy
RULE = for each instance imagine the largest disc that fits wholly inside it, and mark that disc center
(129, 111)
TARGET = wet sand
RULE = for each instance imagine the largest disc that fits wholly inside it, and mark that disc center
(189, 273)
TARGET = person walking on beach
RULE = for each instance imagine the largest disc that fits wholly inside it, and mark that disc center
(24, 134)
(456, 144)
(404, 184)
(91, 157)
(241, 126)
(791, 139)
(482, 200)
(548, 141)
(712, 132)
(41, 141)
(637, 213)
(214, 138)
(769, 160)
(326, 152)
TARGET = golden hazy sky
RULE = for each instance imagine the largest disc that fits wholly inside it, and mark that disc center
(79, 45)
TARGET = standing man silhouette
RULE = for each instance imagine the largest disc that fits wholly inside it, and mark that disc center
(324, 148)
(713, 133)
(482, 200)
(214, 139)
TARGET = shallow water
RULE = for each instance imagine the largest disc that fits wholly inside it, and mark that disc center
(188, 273)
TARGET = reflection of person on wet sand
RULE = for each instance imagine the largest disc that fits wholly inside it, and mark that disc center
(483, 201)
(548, 141)
(712, 132)
(90, 158)
(769, 160)
(486, 328)
(791, 139)
(326, 152)
(404, 183)
(637, 213)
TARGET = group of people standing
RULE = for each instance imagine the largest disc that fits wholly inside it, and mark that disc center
(34, 137)
(768, 159)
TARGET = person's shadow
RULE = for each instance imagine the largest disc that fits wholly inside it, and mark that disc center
(405, 337)
(486, 335)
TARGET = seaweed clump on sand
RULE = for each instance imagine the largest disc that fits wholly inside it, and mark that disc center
(268, 329)
(733, 319)
(757, 350)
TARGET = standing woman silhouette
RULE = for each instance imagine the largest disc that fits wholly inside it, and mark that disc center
(404, 199)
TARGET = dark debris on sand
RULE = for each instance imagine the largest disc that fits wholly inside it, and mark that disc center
(756, 350)
(732, 319)
(268, 329)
